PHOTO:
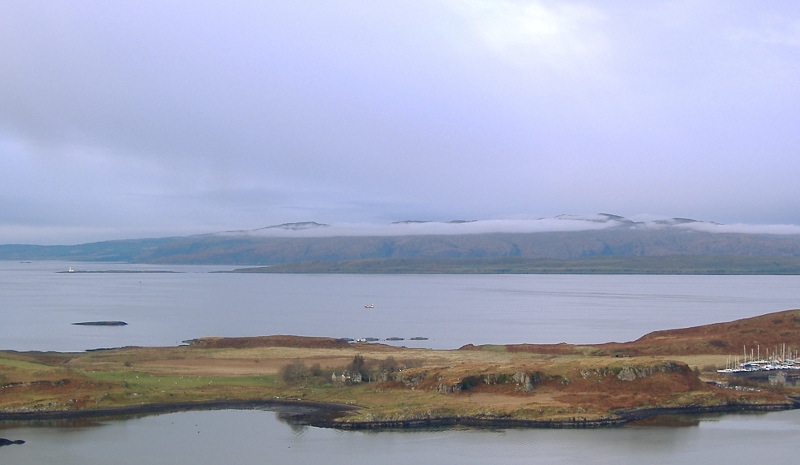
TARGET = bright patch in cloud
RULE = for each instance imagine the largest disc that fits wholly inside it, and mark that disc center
(556, 35)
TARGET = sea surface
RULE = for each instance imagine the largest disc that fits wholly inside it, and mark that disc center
(259, 437)
(165, 305)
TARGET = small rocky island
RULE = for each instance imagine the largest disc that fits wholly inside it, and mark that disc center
(8, 442)
(101, 323)
(357, 385)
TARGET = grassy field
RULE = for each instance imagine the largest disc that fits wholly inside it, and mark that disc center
(520, 382)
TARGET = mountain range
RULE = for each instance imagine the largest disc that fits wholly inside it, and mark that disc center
(564, 237)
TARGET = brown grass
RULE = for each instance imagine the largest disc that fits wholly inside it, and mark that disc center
(770, 332)
(584, 381)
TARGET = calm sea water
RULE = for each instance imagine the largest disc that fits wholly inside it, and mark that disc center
(254, 437)
(38, 303)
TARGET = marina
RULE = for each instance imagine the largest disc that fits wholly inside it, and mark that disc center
(782, 360)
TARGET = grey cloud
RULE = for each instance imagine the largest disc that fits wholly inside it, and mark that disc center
(178, 116)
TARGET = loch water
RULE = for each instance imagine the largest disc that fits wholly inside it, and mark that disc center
(258, 437)
(165, 305)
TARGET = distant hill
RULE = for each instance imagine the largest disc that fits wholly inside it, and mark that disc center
(667, 264)
(774, 332)
(561, 238)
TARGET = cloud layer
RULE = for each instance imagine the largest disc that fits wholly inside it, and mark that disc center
(157, 118)
(561, 223)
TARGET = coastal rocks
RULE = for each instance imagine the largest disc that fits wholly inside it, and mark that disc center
(524, 381)
(405, 418)
(445, 388)
(410, 379)
(630, 373)
(595, 375)
(8, 442)
(43, 383)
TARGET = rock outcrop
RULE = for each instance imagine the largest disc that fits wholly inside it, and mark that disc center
(630, 373)
(8, 442)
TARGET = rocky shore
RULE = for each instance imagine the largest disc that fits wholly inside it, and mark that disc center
(329, 415)
(621, 417)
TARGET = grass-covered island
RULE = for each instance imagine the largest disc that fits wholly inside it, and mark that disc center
(331, 382)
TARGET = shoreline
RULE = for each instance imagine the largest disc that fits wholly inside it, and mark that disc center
(329, 383)
(291, 407)
(325, 415)
(623, 417)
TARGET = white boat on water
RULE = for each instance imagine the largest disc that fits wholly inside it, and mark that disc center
(369, 306)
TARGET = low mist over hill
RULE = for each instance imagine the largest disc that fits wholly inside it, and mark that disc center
(560, 238)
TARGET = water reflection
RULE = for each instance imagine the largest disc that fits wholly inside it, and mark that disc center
(257, 436)
(61, 423)
(669, 421)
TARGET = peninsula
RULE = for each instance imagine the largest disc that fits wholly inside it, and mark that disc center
(336, 383)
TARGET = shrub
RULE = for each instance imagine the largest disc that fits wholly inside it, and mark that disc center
(389, 365)
(504, 378)
(471, 381)
(295, 373)
(357, 365)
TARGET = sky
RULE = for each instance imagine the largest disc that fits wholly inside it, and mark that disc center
(144, 118)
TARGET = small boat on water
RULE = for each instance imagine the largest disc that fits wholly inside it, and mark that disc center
(369, 306)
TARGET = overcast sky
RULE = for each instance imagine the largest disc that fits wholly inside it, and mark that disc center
(150, 118)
